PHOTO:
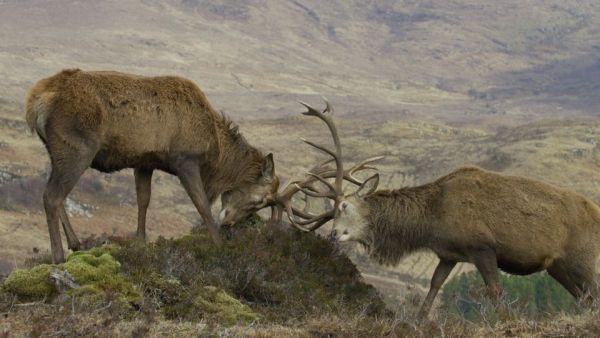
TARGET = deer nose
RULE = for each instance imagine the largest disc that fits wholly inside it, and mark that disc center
(333, 235)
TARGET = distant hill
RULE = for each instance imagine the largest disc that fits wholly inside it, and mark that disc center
(255, 57)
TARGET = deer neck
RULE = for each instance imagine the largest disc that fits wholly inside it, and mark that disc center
(398, 223)
(236, 162)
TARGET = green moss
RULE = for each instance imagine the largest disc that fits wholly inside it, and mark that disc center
(87, 268)
(31, 283)
(89, 294)
(216, 303)
(100, 250)
(95, 270)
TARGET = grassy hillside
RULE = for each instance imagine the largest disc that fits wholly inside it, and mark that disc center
(507, 85)
(283, 284)
(426, 57)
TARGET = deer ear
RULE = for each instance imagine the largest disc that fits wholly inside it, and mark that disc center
(368, 187)
(268, 169)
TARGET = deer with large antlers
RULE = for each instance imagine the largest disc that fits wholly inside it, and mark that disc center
(110, 121)
(303, 220)
(494, 221)
(282, 201)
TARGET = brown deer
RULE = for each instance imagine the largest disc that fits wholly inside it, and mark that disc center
(110, 121)
(471, 215)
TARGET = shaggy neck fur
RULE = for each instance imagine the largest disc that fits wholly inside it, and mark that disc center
(237, 161)
(398, 222)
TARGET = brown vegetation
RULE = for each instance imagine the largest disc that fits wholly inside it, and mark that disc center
(110, 121)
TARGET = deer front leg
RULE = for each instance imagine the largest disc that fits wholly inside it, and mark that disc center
(143, 182)
(188, 172)
(439, 277)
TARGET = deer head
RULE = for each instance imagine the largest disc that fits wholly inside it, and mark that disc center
(250, 197)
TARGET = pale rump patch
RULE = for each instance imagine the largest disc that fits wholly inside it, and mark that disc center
(41, 107)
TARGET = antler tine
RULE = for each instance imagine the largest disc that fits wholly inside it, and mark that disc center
(319, 220)
(328, 107)
(337, 154)
(318, 224)
(321, 148)
(311, 111)
(313, 193)
(305, 221)
(334, 190)
(326, 216)
(302, 214)
(290, 213)
(363, 165)
(324, 181)
(323, 164)
(349, 173)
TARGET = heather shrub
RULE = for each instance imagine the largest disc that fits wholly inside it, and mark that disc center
(259, 274)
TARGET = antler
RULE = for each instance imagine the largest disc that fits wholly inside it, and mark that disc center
(308, 221)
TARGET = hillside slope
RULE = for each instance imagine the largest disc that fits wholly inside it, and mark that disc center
(508, 85)
(427, 57)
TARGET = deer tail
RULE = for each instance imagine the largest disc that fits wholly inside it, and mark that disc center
(38, 107)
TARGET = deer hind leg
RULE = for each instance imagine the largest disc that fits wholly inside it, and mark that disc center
(487, 264)
(143, 183)
(69, 160)
(439, 277)
(189, 175)
(72, 239)
(68, 164)
(577, 276)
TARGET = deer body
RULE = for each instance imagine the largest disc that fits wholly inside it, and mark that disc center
(110, 121)
(491, 220)
(132, 119)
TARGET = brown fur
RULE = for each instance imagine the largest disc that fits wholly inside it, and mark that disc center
(110, 121)
(491, 220)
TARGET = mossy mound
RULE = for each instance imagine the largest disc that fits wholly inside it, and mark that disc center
(281, 273)
(88, 268)
(218, 304)
(96, 272)
(260, 273)
(30, 284)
